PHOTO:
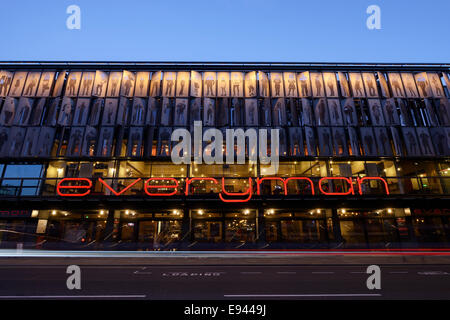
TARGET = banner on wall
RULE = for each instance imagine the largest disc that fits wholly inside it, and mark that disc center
(376, 112)
(334, 110)
(195, 110)
(343, 83)
(317, 84)
(263, 84)
(166, 112)
(45, 84)
(152, 112)
(250, 84)
(354, 142)
(57, 90)
(321, 112)
(183, 84)
(115, 79)
(97, 107)
(390, 112)
(325, 144)
(411, 142)
(105, 142)
(100, 84)
(89, 142)
(17, 84)
(23, 112)
(36, 113)
(142, 84)
(251, 112)
(134, 145)
(128, 81)
(155, 84)
(196, 84)
(383, 142)
(276, 81)
(279, 112)
(340, 142)
(122, 111)
(237, 84)
(304, 84)
(109, 114)
(396, 85)
(310, 141)
(138, 112)
(290, 84)
(329, 79)
(75, 142)
(383, 85)
(209, 84)
(357, 84)
(436, 85)
(296, 147)
(6, 78)
(86, 84)
(81, 112)
(223, 84)
(65, 114)
(370, 84)
(425, 143)
(30, 142)
(368, 141)
(181, 108)
(31, 85)
(209, 112)
(410, 85)
(72, 84)
(349, 112)
(440, 138)
(169, 79)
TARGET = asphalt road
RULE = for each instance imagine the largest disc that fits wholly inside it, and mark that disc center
(208, 282)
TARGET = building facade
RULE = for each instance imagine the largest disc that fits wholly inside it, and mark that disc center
(85, 156)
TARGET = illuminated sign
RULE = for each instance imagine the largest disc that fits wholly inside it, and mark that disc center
(15, 213)
(83, 187)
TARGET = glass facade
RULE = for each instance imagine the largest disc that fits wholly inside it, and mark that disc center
(111, 131)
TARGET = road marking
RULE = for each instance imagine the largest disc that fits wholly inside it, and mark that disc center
(323, 272)
(432, 273)
(251, 272)
(76, 296)
(286, 272)
(302, 295)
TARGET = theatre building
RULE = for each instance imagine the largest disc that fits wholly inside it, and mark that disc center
(86, 156)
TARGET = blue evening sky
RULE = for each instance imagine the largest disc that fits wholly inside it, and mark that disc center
(226, 30)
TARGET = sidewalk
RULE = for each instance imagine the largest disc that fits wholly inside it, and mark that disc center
(39, 257)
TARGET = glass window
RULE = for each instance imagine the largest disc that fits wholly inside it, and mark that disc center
(25, 185)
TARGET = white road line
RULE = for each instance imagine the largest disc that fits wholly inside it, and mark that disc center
(251, 272)
(75, 296)
(323, 272)
(286, 272)
(302, 295)
(141, 272)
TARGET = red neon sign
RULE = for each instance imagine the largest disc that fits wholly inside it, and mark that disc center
(248, 194)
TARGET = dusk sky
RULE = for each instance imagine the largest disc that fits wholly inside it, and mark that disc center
(226, 30)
